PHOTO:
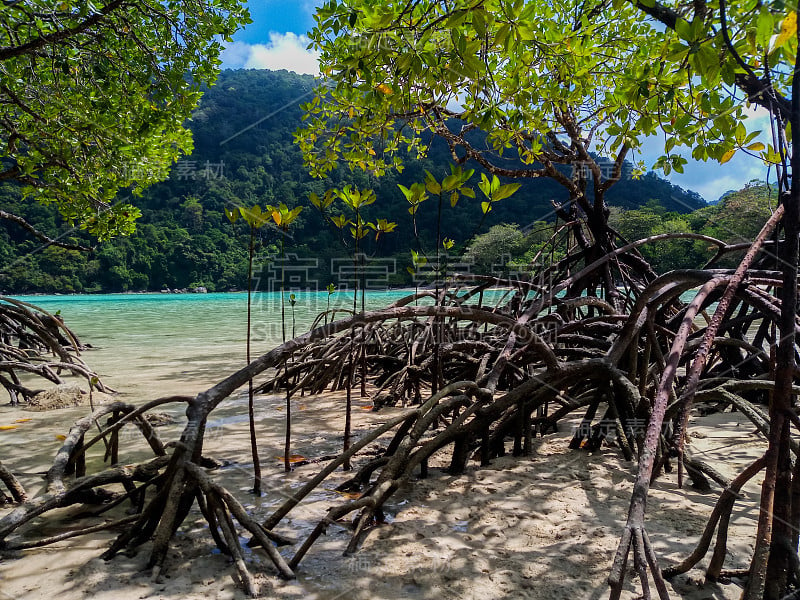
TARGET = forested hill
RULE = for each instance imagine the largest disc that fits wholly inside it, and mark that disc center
(243, 131)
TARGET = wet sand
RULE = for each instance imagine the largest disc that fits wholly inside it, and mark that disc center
(540, 527)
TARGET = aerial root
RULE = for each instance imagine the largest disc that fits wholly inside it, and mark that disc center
(222, 507)
(18, 493)
(504, 370)
(719, 516)
(82, 491)
(635, 538)
(36, 342)
(27, 545)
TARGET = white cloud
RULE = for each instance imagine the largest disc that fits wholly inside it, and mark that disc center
(235, 55)
(709, 178)
(284, 51)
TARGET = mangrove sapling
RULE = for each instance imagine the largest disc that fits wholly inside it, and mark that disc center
(355, 200)
(255, 219)
(452, 187)
(283, 218)
(293, 301)
(331, 289)
(418, 261)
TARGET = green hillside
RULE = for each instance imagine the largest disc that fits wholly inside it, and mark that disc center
(243, 131)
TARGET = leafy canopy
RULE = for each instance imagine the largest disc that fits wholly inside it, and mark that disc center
(729, 54)
(93, 96)
(551, 83)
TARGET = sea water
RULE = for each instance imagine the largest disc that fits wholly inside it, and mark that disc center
(150, 345)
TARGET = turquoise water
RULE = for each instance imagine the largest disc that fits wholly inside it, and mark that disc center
(149, 345)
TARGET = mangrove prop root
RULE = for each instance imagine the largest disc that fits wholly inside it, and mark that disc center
(720, 514)
(36, 342)
(476, 371)
(14, 486)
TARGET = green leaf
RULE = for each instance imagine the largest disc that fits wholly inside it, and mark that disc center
(765, 24)
(502, 35)
(450, 182)
(683, 29)
(504, 191)
(485, 186)
(727, 156)
(431, 184)
(294, 213)
(457, 18)
(478, 22)
(418, 259)
(526, 32)
(341, 221)
(740, 133)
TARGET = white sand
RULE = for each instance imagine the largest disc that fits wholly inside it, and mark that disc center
(541, 527)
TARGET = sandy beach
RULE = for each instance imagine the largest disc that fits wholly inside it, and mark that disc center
(544, 526)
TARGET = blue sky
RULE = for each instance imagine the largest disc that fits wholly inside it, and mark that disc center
(276, 40)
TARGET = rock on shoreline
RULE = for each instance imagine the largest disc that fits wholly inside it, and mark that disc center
(65, 395)
(195, 290)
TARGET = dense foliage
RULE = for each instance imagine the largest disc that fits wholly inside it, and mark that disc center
(94, 95)
(243, 154)
(736, 218)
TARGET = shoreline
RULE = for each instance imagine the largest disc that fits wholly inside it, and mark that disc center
(187, 292)
(540, 527)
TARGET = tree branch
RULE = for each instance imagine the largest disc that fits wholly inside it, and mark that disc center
(755, 87)
(58, 36)
(42, 236)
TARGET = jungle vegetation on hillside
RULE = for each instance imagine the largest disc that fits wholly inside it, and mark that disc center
(183, 238)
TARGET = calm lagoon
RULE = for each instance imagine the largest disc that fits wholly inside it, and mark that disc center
(150, 345)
